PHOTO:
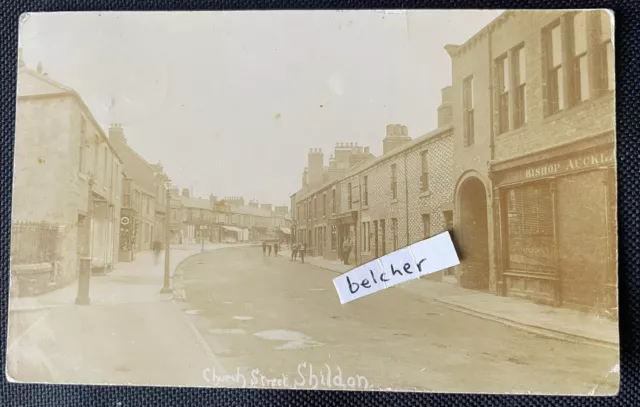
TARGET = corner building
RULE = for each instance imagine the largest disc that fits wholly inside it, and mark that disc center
(534, 158)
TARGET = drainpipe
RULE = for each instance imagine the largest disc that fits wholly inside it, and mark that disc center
(406, 193)
(359, 221)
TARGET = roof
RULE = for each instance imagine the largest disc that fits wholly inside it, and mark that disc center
(198, 203)
(137, 168)
(250, 210)
(33, 84)
(365, 165)
(455, 50)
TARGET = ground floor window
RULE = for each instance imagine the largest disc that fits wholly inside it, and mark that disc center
(529, 228)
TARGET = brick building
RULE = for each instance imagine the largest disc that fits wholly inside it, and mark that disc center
(66, 173)
(381, 203)
(534, 155)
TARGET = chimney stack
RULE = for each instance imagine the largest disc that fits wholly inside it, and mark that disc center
(185, 192)
(445, 110)
(397, 135)
(116, 134)
(315, 167)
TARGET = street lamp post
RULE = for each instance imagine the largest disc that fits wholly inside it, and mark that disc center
(166, 288)
(84, 275)
(203, 229)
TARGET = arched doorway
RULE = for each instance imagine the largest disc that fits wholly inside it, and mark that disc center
(474, 235)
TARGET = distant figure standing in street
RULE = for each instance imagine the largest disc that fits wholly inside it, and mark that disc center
(275, 249)
(157, 248)
(269, 247)
(294, 251)
(264, 248)
(346, 250)
(301, 250)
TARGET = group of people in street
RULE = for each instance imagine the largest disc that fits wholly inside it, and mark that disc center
(298, 250)
(267, 247)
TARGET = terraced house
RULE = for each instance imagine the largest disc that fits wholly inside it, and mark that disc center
(380, 203)
(535, 158)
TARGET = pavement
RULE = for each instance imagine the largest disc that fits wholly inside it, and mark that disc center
(274, 323)
(128, 334)
(555, 322)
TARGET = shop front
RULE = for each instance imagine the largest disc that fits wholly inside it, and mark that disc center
(557, 226)
(343, 227)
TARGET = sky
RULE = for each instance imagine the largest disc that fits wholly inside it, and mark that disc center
(231, 102)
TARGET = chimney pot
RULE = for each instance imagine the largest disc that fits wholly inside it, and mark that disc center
(39, 68)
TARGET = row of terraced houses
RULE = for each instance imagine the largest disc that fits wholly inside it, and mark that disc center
(521, 168)
(81, 192)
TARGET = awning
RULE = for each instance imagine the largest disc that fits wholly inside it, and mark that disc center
(232, 228)
(286, 231)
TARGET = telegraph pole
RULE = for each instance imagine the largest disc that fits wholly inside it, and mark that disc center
(84, 276)
(166, 288)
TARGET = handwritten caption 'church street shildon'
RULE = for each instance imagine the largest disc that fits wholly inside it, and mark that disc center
(421, 258)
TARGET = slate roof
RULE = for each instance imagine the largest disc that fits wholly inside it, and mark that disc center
(30, 83)
(198, 203)
(137, 168)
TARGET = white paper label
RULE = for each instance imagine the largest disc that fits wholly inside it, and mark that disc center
(419, 259)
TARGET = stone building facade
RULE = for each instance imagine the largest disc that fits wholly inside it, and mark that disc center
(534, 160)
(59, 149)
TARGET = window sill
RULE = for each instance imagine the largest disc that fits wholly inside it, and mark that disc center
(365, 207)
(572, 109)
(393, 200)
(82, 176)
(425, 194)
(513, 132)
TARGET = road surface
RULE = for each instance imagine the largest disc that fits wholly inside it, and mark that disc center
(274, 323)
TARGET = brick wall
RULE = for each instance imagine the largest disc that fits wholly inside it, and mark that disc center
(587, 118)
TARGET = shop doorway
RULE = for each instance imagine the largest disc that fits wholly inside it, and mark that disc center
(474, 235)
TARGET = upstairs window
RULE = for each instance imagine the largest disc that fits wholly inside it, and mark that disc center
(394, 182)
(553, 46)
(502, 72)
(519, 87)
(579, 61)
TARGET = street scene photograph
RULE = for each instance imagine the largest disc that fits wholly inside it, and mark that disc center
(224, 200)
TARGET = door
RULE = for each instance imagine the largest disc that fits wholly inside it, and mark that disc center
(582, 238)
(383, 237)
(375, 241)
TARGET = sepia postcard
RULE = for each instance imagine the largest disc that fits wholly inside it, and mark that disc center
(401, 200)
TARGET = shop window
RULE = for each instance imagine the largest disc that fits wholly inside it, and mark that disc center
(529, 222)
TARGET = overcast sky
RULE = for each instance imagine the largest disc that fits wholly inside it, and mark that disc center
(231, 102)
